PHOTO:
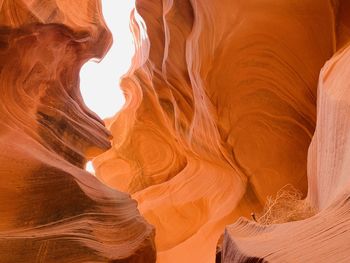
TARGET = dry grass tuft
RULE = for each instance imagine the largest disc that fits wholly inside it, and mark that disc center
(287, 206)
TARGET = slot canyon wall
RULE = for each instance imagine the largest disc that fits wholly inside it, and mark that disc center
(51, 210)
(226, 102)
(220, 112)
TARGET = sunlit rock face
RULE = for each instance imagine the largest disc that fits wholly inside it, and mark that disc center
(220, 111)
(51, 209)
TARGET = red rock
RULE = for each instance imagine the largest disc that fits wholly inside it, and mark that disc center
(323, 237)
(51, 209)
(220, 113)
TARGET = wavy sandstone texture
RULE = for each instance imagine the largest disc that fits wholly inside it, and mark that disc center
(51, 210)
(325, 236)
(220, 112)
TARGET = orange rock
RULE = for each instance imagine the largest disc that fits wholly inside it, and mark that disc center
(323, 237)
(51, 209)
(220, 110)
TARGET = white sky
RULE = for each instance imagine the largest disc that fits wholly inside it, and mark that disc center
(99, 82)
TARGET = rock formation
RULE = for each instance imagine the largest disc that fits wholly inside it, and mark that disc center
(220, 112)
(222, 102)
(51, 210)
(325, 236)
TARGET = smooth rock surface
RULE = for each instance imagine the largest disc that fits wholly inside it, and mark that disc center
(51, 210)
(323, 237)
(220, 111)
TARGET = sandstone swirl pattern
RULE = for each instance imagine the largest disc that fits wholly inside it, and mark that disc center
(323, 237)
(220, 112)
(51, 210)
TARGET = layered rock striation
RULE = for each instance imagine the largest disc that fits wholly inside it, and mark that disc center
(323, 237)
(220, 111)
(51, 209)
(222, 102)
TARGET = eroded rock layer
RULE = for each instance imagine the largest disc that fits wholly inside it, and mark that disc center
(51, 210)
(323, 237)
(220, 111)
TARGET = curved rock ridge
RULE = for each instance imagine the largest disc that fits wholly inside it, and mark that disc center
(51, 209)
(323, 237)
(220, 111)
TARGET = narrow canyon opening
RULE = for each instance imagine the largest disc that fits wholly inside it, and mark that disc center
(100, 80)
